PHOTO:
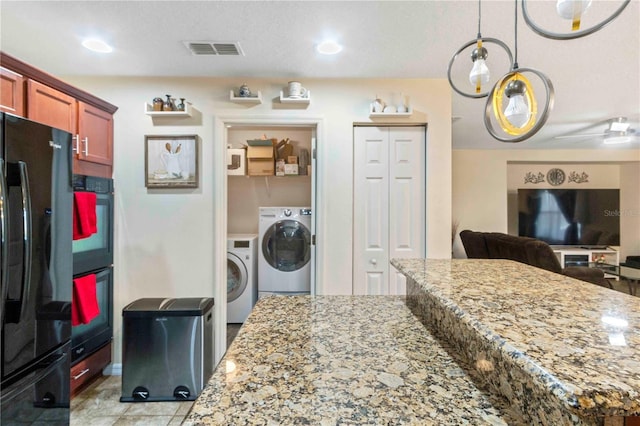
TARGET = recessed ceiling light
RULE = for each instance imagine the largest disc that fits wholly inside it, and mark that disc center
(97, 45)
(329, 47)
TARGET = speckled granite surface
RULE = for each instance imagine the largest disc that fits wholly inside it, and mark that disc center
(340, 360)
(565, 351)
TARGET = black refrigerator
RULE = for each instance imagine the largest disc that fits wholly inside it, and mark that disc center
(36, 200)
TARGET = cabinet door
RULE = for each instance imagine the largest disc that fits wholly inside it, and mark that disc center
(51, 107)
(95, 127)
(11, 92)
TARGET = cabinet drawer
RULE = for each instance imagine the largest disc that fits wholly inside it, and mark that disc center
(86, 370)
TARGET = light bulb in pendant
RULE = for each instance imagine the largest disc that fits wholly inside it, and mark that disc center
(479, 74)
(572, 10)
(517, 111)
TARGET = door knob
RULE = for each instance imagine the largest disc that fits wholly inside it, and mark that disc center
(373, 262)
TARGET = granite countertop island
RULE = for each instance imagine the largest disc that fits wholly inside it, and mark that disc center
(564, 351)
(341, 360)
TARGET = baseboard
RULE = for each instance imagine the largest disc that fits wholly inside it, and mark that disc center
(113, 370)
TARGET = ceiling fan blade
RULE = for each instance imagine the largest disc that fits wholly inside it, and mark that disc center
(584, 135)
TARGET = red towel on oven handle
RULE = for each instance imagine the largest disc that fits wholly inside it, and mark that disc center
(85, 221)
(84, 307)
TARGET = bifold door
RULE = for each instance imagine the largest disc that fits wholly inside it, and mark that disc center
(389, 205)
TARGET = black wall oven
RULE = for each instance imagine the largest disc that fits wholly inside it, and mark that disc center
(94, 255)
(95, 252)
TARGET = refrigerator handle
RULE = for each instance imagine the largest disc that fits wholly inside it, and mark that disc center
(4, 249)
(28, 235)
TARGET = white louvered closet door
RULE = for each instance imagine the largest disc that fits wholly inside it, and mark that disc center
(389, 205)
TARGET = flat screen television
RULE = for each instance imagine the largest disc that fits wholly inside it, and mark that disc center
(580, 217)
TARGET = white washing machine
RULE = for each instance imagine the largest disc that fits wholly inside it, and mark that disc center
(242, 276)
(284, 262)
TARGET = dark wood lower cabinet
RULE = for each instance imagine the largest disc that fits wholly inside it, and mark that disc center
(89, 369)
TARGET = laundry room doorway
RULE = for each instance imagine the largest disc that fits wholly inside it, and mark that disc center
(243, 185)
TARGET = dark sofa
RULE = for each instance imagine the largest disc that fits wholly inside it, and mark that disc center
(631, 262)
(496, 245)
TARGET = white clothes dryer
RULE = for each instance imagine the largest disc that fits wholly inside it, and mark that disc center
(284, 263)
(242, 276)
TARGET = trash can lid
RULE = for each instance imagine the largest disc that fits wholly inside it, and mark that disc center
(188, 306)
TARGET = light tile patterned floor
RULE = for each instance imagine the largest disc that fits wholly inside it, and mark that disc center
(99, 404)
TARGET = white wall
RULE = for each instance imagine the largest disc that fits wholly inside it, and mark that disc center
(481, 185)
(165, 243)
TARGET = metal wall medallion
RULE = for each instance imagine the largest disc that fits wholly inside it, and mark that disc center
(530, 177)
(555, 177)
(578, 178)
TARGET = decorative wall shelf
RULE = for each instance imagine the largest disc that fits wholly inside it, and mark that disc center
(245, 99)
(285, 100)
(148, 109)
(390, 114)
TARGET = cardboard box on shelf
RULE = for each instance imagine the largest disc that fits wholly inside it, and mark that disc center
(279, 167)
(291, 169)
(260, 167)
(292, 159)
(260, 160)
(261, 152)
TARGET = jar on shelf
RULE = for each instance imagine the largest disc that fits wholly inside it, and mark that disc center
(157, 104)
(244, 91)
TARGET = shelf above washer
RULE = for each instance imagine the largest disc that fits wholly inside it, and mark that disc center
(245, 99)
(306, 100)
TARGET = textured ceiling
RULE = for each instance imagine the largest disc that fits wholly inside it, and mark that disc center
(596, 77)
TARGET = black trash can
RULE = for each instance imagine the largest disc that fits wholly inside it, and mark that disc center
(167, 349)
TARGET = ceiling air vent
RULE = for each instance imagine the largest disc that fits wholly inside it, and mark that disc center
(214, 48)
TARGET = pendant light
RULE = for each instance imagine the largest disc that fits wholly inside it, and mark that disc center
(519, 119)
(570, 10)
(479, 76)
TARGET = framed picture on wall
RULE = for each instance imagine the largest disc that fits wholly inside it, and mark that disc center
(171, 161)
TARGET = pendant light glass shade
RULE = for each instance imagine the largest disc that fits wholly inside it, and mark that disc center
(519, 110)
(479, 72)
(511, 111)
(573, 10)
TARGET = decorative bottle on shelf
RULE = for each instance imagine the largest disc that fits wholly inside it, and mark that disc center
(181, 105)
(167, 106)
(378, 105)
(402, 105)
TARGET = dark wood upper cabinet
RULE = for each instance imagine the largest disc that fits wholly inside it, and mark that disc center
(31, 93)
(12, 92)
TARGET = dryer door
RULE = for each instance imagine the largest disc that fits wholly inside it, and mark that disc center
(236, 277)
(286, 245)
